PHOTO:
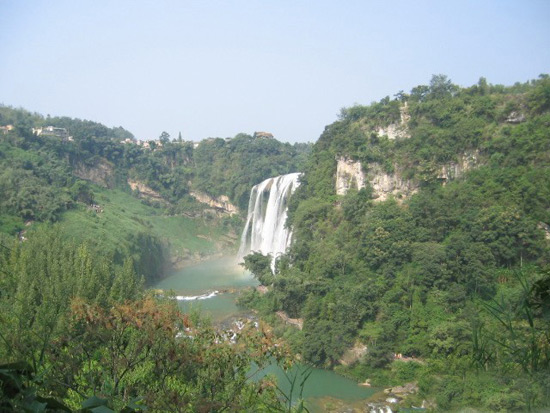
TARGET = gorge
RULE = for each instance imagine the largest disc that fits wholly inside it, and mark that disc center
(415, 248)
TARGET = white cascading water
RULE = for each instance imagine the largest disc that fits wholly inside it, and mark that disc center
(265, 229)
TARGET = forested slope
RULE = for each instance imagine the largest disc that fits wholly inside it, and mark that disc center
(78, 331)
(438, 250)
(126, 199)
(40, 171)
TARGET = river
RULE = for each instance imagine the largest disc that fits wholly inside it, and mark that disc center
(213, 286)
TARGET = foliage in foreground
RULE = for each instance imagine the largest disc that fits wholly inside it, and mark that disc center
(78, 333)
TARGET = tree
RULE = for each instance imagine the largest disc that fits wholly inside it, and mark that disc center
(539, 97)
(82, 192)
(441, 87)
(259, 265)
(164, 138)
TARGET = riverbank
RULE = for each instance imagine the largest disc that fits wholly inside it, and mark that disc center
(202, 278)
(177, 262)
(231, 281)
(213, 286)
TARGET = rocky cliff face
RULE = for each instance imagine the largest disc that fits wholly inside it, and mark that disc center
(144, 191)
(453, 170)
(349, 174)
(102, 173)
(221, 204)
(397, 130)
(386, 184)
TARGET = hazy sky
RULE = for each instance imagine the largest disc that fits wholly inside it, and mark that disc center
(217, 68)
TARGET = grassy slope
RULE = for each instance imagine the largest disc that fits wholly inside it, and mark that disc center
(124, 215)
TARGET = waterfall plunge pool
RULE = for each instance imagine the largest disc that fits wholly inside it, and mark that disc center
(213, 287)
(210, 286)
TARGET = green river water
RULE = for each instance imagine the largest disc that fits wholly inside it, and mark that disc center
(227, 278)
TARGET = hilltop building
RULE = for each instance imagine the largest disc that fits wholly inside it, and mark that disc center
(53, 131)
(6, 128)
(265, 135)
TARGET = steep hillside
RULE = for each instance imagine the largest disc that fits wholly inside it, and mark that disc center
(85, 214)
(421, 229)
(154, 201)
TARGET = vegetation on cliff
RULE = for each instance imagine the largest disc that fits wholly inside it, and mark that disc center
(452, 274)
(84, 179)
(456, 274)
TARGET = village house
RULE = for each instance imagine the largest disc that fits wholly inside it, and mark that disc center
(6, 128)
(265, 135)
(147, 144)
(53, 131)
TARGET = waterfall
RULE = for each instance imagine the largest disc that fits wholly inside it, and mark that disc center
(265, 229)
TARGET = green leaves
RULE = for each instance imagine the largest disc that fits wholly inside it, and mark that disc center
(525, 338)
(231, 167)
(260, 266)
(96, 404)
(18, 391)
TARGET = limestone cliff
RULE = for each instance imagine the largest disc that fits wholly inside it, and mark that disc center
(386, 184)
(102, 173)
(144, 191)
(454, 170)
(221, 204)
(397, 130)
(349, 174)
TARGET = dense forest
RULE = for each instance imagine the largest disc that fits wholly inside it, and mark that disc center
(450, 269)
(46, 168)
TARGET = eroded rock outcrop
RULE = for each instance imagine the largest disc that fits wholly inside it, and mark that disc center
(102, 173)
(454, 170)
(402, 391)
(397, 130)
(354, 354)
(386, 184)
(145, 191)
(545, 228)
(349, 174)
(515, 117)
(221, 204)
(296, 322)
